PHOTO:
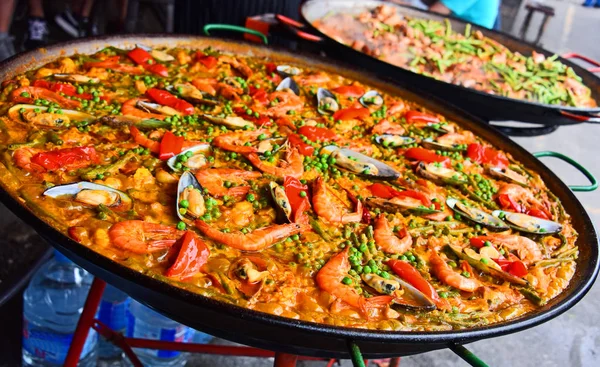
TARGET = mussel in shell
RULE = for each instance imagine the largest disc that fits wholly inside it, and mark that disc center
(192, 94)
(400, 204)
(486, 265)
(76, 78)
(440, 174)
(359, 163)
(288, 84)
(288, 70)
(405, 295)
(476, 215)
(393, 141)
(527, 223)
(41, 116)
(231, 122)
(157, 108)
(92, 194)
(507, 174)
(284, 207)
(195, 158)
(371, 98)
(429, 143)
(190, 201)
(326, 102)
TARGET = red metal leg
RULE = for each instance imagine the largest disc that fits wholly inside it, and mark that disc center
(285, 360)
(85, 322)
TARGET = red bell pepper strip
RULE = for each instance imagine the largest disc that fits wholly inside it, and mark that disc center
(538, 213)
(477, 242)
(350, 90)
(506, 202)
(414, 116)
(293, 189)
(486, 155)
(314, 133)
(425, 155)
(142, 140)
(516, 267)
(158, 69)
(69, 158)
(351, 113)
(167, 99)
(170, 145)
(208, 61)
(259, 95)
(192, 255)
(142, 57)
(303, 148)
(270, 68)
(407, 272)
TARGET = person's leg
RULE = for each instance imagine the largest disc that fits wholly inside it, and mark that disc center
(37, 28)
(7, 49)
(87, 27)
(68, 20)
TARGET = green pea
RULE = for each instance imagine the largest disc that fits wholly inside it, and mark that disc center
(367, 269)
(302, 194)
(181, 226)
(250, 197)
(347, 280)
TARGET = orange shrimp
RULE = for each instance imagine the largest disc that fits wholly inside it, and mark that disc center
(386, 239)
(257, 240)
(206, 85)
(313, 78)
(230, 92)
(293, 165)
(238, 65)
(142, 237)
(129, 109)
(234, 141)
(214, 179)
(327, 207)
(521, 200)
(34, 93)
(386, 127)
(142, 140)
(396, 107)
(527, 249)
(448, 276)
(464, 137)
(22, 157)
(282, 102)
(329, 279)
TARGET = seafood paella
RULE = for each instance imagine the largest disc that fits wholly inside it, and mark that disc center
(282, 189)
(469, 59)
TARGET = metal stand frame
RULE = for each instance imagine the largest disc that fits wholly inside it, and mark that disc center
(87, 321)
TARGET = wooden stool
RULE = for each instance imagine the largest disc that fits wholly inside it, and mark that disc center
(532, 7)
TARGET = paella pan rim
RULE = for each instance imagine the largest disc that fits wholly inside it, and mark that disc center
(579, 69)
(115, 271)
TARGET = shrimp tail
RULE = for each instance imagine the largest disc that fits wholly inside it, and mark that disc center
(367, 304)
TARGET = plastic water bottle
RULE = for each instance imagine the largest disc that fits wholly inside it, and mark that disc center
(112, 313)
(52, 304)
(145, 323)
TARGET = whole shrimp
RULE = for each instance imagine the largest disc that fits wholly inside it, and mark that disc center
(234, 141)
(257, 240)
(214, 179)
(527, 249)
(293, 165)
(387, 240)
(448, 276)
(329, 279)
(143, 237)
(30, 94)
(327, 207)
(282, 102)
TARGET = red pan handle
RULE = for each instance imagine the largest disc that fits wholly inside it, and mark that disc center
(292, 26)
(573, 55)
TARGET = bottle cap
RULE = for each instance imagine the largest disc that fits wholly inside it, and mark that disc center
(60, 258)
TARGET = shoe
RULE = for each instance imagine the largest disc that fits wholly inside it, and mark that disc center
(7, 48)
(68, 23)
(87, 28)
(37, 33)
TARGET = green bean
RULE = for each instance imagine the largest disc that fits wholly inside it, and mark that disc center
(54, 138)
(320, 231)
(110, 168)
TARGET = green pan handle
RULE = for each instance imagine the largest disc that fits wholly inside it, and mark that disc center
(572, 162)
(467, 355)
(229, 27)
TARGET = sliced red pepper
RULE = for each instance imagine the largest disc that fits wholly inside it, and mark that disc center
(303, 148)
(425, 155)
(270, 68)
(350, 90)
(506, 202)
(477, 242)
(351, 113)
(192, 255)
(69, 158)
(167, 99)
(383, 191)
(170, 145)
(259, 95)
(537, 213)
(407, 272)
(158, 69)
(465, 266)
(314, 133)
(514, 267)
(293, 188)
(208, 61)
(414, 116)
(140, 56)
(65, 88)
(486, 155)
(416, 195)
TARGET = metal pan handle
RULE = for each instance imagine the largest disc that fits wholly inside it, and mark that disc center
(590, 118)
(292, 26)
(229, 27)
(579, 167)
(573, 55)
